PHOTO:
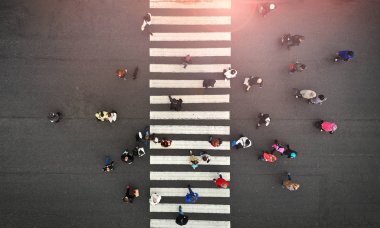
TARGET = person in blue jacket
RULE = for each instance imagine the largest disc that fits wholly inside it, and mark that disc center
(191, 197)
(344, 55)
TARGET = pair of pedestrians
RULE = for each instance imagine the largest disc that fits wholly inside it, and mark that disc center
(194, 161)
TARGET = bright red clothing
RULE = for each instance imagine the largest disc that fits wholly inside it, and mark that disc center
(222, 183)
(269, 157)
(329, 126)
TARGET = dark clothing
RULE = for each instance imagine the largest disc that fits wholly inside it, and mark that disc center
(262, 118)
(175, 104)
(209, 83)
(130, 157)
(254, 81)
(289, 152)
(128, 198)
(109, 166)
(182, 219)
(54, 117)
(346, 55)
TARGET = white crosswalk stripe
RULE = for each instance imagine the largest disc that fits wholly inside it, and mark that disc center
(183, 84)
(181, 192)
(192, 175)
(195, 52)
(191, 36)
(192, 99)
(191, 20)
(190, 115)
(192, 68)
(191, 145)
(198, 4)
(170, 223)
(190, 129)
(192, 208)
(184, 160)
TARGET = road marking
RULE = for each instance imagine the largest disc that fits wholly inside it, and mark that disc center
(186, 176)
(170, 223)
(184, 160)
(179, 192)
(191, 36)
(190, 115)
(191, 68)
(192, 208)
(191, 145)
(186, 84)
(194, 52)
(190, 129)
(191, 20)
(192, 99)
(198, 4)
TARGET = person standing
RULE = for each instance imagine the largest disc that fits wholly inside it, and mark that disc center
(318, 99)
(55, 117)
(186, 61)
(193, 160)
(127, 157)
(205, 156)
(289, 184)
(181, 219)
(108, 167)
(264, 119)
(221, 182)
(191, 197)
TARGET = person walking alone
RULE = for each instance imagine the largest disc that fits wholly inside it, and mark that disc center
(108, 167)
(289, 184)
(264, 119)
(181, 219)
(221, 182)
(147, 22)
(186, 61)
(127, 157)
(194, 161)
(55, 117)
(191, 197)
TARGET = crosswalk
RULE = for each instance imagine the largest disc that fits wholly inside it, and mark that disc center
(170, 166)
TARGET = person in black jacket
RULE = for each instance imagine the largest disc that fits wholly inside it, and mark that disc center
(127, 157)
(175, 104)
(181, 219)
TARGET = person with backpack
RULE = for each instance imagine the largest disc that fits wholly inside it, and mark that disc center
(193, 160)
(139, 150)
(221, 182)
(215, 142)
(181, 219)
(186, 61)
(175, 104)
(127, 157)
(191, 197)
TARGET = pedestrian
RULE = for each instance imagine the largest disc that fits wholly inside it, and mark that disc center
(181, 219)
(175, 104)
(154, 199)
(186, 60)
(194, 161)
(135, 72)
(267, 157)
(229, 73)
(290, 152)
(166, 142)
(215, 142)
(147, 22)
(278, 147)
(209, 83)
(344, 55)
(127, 157)
(221, 182)
(329, 127)
(318, 99)
(295, 40)
(251, 81)
(108, 167)
(289, 184)
(242, 142)
(205, 156)
(296, 67)
(130, 195)
(104, 115)
(139, 150)
(121, 73)
(305, 93)
(191, 197)
(55, 117)
(263, 119)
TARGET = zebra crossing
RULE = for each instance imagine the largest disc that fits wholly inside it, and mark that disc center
(165, 179)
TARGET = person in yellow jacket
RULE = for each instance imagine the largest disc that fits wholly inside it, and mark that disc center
(289, 184)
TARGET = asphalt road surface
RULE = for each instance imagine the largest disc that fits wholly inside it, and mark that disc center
(62, 56)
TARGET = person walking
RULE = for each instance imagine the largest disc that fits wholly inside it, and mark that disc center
(252, 81)
(121, 73)
(205, 156)
(166, 142)
(154, 199)
(327, 126)
(221, 182)
(264, 119)
(289, 184)
(318, 99)
(296, 67)
(191, 197)
(186, 61)
(175, 104)
(290, 152)
(267, 157)
(229, 73)
(130, 195)
(278, 147)
(54, 117)
(127, 157)
(181, 219)
(109, 116)
(305, 93)
(147, 22)
(194, 161)
(139, 150)
(345, 55)
(208, 83)
(242, 142)
(108, 167)
(215, 142)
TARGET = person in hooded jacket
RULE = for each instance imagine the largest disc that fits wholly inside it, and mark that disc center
(181, 219)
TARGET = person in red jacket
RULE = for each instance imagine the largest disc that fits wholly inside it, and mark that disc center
(220, 182)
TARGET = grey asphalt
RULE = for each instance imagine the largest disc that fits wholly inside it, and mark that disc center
(62, 55)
